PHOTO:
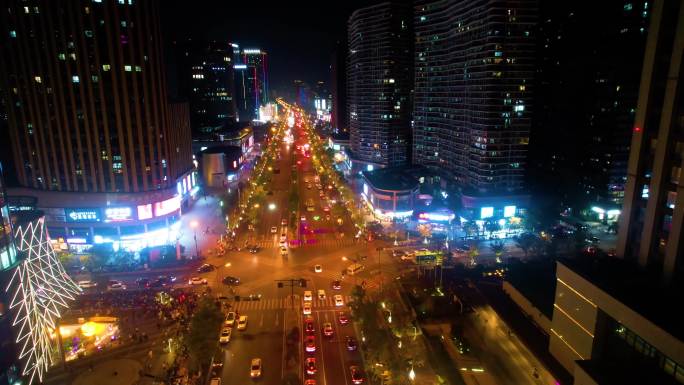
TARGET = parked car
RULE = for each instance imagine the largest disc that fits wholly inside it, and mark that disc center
(228, 280)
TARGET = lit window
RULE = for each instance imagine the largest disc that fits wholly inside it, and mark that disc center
(61, 56)
(123, 23)
(38, 79)
(97, 1)
(13, 33)
(127, 68)
(26, 10)
(95, 79)
(138, 69)
(89, 33)
(498, 53)
(75, 79)
(106, 67)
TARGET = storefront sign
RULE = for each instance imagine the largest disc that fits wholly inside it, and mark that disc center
(118, 214)
(82, 215)
(167, 207)
(145, 211)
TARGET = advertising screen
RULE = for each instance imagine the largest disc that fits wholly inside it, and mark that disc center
(166, 207)
(118, 214)
(145, 211)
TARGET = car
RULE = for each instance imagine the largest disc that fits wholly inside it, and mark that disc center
(302, 218)
(230, 319)
(307, 308)
(310, 344)
(328, 329)
(309, 327)
(197, 281)
(321, 294)
(342, 317)
(143, 282)
(310, 381)
(166, 279)
(233, 281)
(274, 230)
(338, 300)
(254, 249)
(308, 296)
(336, 285)
(114, 285)
(406, 257)
(283, 222)
(225, 335)
(283, 250)
(310, 366)
(242, 323)
(318, 268)
(205, 268)
(351, 344)
(283, 238)
(356, 376)
(87, 284)
(255, 368)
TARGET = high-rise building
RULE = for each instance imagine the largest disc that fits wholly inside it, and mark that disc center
(613, 318)
(251, 82)
(589, 109)
(651, 226)
(90, 122)
(380, 78)
(211, 90)
(338, 81)
(473, 90)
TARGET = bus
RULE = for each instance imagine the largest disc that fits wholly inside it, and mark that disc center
(354, 268)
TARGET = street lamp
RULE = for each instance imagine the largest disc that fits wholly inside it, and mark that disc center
(271, 206)
(412, 374)
(194, 225)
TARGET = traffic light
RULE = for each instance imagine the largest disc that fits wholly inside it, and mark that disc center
(302, 282)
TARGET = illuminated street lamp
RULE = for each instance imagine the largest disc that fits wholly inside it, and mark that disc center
(194, 225)
(412, 374)
(271, 206)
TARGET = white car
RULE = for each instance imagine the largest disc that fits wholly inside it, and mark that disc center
(308, 296)
(338, 300)
(274, 230)
(283, 250)
(242, 322)
(230, 319)
(225, 335)
(114, 285)
(318, 268)
(307, 308)
(87, 284)
(197, 281)
(255, 368)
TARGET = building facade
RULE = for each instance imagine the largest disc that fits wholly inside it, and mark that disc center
(251, 82)
(380, 78)
(89, 119)
(651, 226)
(473, 90)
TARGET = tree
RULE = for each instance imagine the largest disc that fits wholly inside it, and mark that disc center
(525, 242)
(498, 247)
(358, 294)
(202, 335)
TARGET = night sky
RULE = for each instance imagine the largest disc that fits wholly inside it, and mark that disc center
(298, 36)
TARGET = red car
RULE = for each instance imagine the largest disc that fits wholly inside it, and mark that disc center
(336, 285)
(343, 318)
(310, 366)
(310, 344)
(309, 326)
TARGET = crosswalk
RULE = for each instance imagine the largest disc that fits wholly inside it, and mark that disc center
(274, 243)
(283, 303)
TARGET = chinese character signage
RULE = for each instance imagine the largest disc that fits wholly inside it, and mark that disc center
(118, 214)
(82, 215)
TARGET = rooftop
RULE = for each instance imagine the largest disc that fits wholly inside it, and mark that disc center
(396, 179)
(536, 280)
(643, 290)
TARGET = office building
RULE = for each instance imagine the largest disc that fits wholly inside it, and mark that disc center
(91, 128)
(379, 82)
(251, 82)
(614, 319)
(9, 363)
(212, 90)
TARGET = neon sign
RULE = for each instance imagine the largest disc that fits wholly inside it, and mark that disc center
(166, 207)
(118, 214)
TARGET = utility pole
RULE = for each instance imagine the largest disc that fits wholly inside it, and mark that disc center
(291, 283)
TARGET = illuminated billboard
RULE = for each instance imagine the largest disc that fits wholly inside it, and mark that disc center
(509, 211)
(145, 211)
(486, 212)
(82, 215)
(167, 207)
(118, 214)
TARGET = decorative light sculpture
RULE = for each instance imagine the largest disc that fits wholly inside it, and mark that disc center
(41, 289)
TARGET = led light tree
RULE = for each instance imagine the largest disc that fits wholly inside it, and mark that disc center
(41, 290)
